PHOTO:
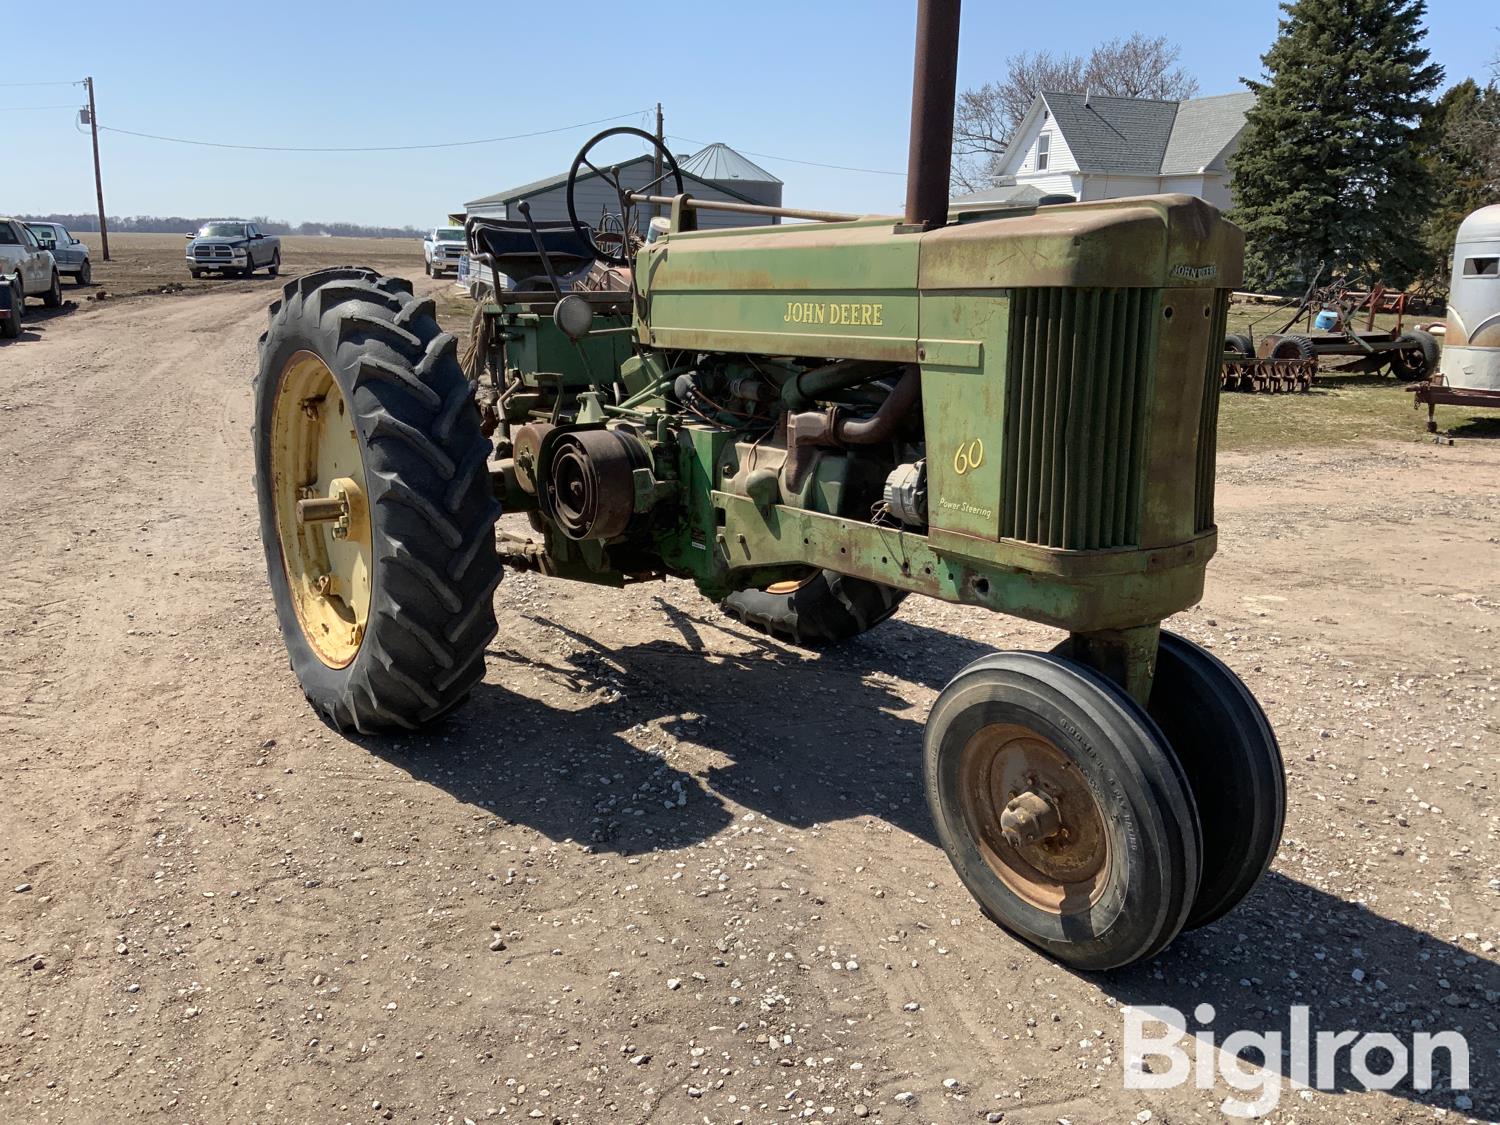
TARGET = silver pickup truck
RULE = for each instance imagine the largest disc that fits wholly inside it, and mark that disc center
(232, 246)
(23, 258)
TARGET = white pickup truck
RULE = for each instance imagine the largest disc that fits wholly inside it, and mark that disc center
(23, 258)
(442, 247)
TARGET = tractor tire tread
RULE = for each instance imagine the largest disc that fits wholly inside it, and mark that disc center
(432, 615)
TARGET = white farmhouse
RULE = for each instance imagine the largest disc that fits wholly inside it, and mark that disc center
(1093, 147)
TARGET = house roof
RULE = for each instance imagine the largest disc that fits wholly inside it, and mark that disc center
(1203, 129)
(1143, 136)
(719, 162)
(694, 171)
(1113, 134)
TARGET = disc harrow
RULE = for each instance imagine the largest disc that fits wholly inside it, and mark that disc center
(1268, 376)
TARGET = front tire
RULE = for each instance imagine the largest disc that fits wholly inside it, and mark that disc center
(85, 275)
(1233, 764)
(52, 299)
(1062, 809)
(387, 627)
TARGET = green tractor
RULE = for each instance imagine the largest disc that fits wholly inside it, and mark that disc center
(810, 421)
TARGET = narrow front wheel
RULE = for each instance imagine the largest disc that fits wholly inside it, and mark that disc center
(1062, 809)
(1227, 748)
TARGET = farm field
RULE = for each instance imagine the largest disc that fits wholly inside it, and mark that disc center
(144, 263)
(661, 867)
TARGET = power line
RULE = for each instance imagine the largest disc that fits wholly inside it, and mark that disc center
(374, 148)
(20, 108)
(17, 85)
(794, 160)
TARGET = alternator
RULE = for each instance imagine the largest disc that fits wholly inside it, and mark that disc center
(906, 494)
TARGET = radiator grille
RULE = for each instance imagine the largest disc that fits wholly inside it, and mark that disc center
(1208, 417)
(1078, 387)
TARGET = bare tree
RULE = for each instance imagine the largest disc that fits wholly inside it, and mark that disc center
(1138, 67)
(987, 116)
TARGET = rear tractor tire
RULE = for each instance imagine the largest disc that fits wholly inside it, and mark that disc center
(1062, 809)
(824, 608)
(376, 511)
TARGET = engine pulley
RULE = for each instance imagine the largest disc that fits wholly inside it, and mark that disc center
(588, 482)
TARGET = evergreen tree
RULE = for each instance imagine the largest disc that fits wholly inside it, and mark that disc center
(1463, 155)
(1329, 170)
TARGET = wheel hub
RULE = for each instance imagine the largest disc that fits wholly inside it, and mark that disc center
(1029, 818)
(1035, 819)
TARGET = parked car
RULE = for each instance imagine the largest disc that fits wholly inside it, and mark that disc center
(22, 255)
(232, 246)
(442, 247)
(71, 254)
(10, 308)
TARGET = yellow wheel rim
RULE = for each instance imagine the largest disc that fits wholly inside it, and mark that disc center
(791, 585)
(322, 515)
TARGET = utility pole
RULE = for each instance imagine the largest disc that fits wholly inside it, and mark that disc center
(98, 178)
(661, 140)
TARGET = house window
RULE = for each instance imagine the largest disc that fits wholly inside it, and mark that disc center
(1482, 267)
(1043, 145)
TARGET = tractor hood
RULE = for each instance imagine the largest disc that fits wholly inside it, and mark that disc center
(855, 290)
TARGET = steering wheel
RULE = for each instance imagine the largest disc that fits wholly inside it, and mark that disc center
(611, 176)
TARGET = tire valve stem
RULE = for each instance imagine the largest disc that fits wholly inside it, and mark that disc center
(1029, 818)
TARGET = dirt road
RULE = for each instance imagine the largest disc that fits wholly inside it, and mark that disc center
(661, 868)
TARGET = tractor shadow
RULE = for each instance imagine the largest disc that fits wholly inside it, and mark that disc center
(808, 739)
(1289, 944)
(803, 738)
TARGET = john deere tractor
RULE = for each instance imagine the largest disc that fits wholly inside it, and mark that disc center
(811, 420)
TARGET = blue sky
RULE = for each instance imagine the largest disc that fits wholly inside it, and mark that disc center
(817, 81)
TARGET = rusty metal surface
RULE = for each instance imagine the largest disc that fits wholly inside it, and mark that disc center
(933, 91)
(1435, 393)
(527, 443)
(588, 488)
(1268, 376)
(1081, 591)
(1034, 818)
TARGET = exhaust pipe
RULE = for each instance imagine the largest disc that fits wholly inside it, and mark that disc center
(934, 88)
